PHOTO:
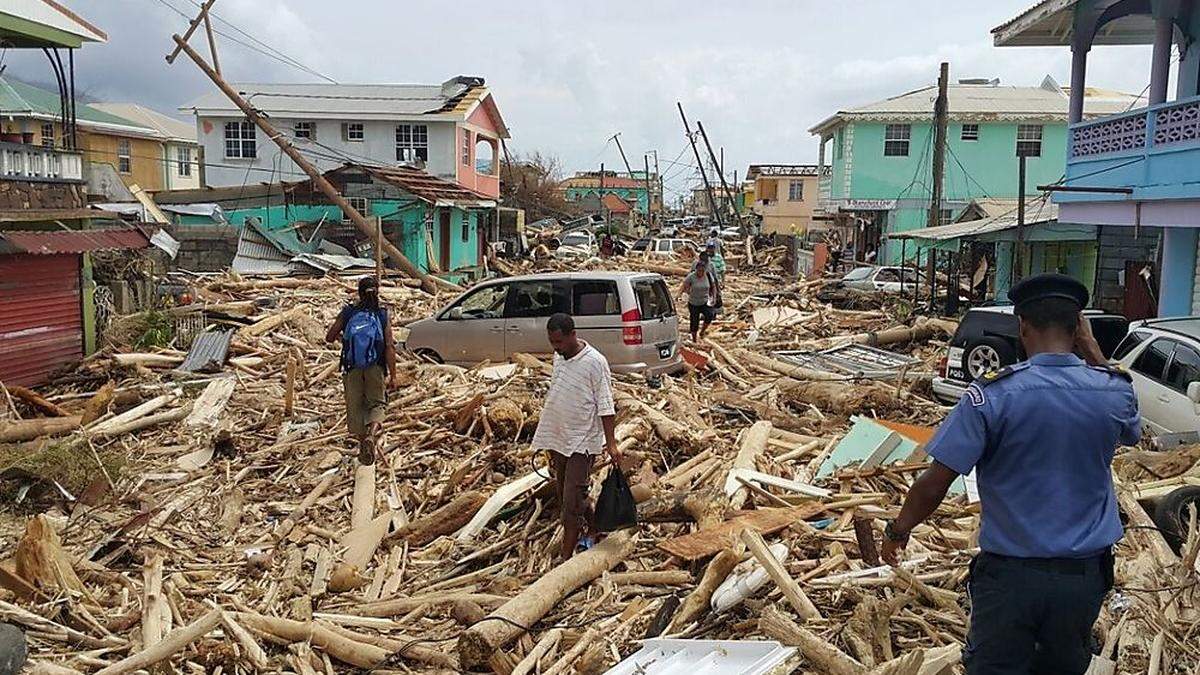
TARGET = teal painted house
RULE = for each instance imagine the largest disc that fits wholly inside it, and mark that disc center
(881, 155)
(632, 190)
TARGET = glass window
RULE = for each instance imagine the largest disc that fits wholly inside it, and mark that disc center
(653, 298)
(1029, 140)
(466, 227)
(945, 216)
(305, 130)
(412, 143)
(466, 148)
(895, 140)
(483, 303)
(595, 298)
(1153, 361)
(535, 299)
(796, 191)
(48, 135)
(240, 140)
(353, 132)
(360, 204)
(576, 239)
(858, 273)
(124, 155)
(1184, 368)
(1127, 345)
(970, 132)
(184, 158)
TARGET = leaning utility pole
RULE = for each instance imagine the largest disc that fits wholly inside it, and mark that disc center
(940, 109)
(712, 202)
(649, 195)
(617, 137)
(1018, 257)
(721, 172)
(429, 283)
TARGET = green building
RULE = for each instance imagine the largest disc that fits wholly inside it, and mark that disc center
(881, 155)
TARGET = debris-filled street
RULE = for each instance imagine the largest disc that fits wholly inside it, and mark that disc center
(599, 340)
(762, 485)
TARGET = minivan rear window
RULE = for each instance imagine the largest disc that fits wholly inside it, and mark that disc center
(858, 273)
(653, 298)
(595, 298)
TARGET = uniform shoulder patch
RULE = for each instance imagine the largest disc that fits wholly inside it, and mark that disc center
(1113, 369)
(993, 376)
(974, 392)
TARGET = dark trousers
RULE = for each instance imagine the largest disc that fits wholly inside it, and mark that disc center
(571, 477)
(1033, 615)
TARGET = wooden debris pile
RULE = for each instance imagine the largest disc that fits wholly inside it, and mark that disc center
(241, 535)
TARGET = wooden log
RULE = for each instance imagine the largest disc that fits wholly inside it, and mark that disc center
(791, 590)
(172, 643)
(774, 415)
(397, 606)
(696, 604)
(787, 369)
(704, 507)
(289, 387)
(822, 656)
(481, 640)
(210, 404)
(264, 326)
(97, 405)
(145, 422)
(527, 665)
(27, 430)
(336, 644)
(441, 521)
(253, 651)
(405, 647)
(843, 398)
(134, 413)
(148, 360)
(36, 401)
(153, 602)
(657, 578)
(361, 544)
(40, 559)
(294, 517)
(752, 446)
(564, 664)
(675, 435)
(362, 504)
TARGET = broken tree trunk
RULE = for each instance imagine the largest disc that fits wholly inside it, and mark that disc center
(153, 602)
(26, 430)
(173, 643)
(753, 445)
(822, 656)
(675, 435)
(704, 507)
(334, 643)
(791, 590)
(480, 641)
(41, 561)
(362, 504)
(696, 604)
(445, 520)
(36, 401)
(843, 398)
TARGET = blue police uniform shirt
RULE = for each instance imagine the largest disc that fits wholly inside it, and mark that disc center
(1041, 440)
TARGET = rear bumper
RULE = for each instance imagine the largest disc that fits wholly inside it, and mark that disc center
(948, 391)
(663, 368)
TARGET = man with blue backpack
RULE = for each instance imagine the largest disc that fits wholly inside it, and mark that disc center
(368, 353)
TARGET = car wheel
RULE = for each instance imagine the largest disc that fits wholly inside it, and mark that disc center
(987, 355)
(428, 355)
(1171, 515)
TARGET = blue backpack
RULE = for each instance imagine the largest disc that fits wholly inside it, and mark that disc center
(362, 340)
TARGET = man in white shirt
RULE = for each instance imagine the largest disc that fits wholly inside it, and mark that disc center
(577, 423)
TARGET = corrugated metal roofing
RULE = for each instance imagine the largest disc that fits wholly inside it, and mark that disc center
(342, 100)
(19, 98)
(169, 128)
(1036, 212)
(41, 318)
(208, 353)
(1052, 22)
(72, 241)
(614, 182)
(663, 656)
(427, 187)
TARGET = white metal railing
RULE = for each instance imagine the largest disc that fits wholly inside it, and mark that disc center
(36, 163)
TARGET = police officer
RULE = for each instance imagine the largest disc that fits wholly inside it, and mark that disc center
(1040, 435)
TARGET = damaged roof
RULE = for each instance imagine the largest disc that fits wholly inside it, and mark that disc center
(72, 241)
(422, 185)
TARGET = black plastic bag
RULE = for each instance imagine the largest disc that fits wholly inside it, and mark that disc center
(615, 508)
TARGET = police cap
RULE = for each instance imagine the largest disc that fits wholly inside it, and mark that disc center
(1050, 285)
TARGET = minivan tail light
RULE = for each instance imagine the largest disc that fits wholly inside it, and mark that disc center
(631, 335)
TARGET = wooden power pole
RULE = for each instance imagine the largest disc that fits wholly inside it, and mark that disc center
(940, 109)
(649, 194)
(429, 283)
(617, 137)
(721, 170)
(712, 202)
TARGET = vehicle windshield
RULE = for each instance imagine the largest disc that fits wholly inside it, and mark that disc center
(857, 273)
(576, 239)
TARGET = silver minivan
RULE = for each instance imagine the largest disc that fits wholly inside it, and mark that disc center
(628, 316)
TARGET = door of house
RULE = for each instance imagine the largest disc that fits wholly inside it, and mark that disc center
(1139, 301)
(444, 233)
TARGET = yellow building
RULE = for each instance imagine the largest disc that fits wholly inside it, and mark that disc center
(785, 195)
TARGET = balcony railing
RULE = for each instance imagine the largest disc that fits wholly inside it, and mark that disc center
(1165, 126)
(36, 163)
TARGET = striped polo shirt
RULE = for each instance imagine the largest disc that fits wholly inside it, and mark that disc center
(580, 394)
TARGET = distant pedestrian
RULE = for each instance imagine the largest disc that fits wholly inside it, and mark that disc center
(577, 423)
(606, 246)
(368, 354)
(703, 292)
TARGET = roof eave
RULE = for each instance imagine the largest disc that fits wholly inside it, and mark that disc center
(1014, 32)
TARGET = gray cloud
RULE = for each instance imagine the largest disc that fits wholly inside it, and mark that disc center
(568, 75)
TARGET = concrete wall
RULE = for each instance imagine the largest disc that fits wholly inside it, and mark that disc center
(205, 248)
(1118, 245)
(378, 146)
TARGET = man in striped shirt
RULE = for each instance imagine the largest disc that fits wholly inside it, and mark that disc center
(576, 424)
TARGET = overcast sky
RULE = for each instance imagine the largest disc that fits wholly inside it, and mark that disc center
(567, 75)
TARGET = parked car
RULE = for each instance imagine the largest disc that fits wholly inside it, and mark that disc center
(1163, 357)
(988, 339)
(640, 245)
(730, 233)
(668, 247)
(628, 316)
(577, 244)
(886, 279)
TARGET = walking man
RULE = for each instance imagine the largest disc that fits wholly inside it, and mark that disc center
(577, 423)
(368, 353)
(1040, 435)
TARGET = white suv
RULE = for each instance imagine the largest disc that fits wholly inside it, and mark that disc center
(1163, 356)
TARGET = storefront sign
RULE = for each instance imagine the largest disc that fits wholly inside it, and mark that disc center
(868, 204)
